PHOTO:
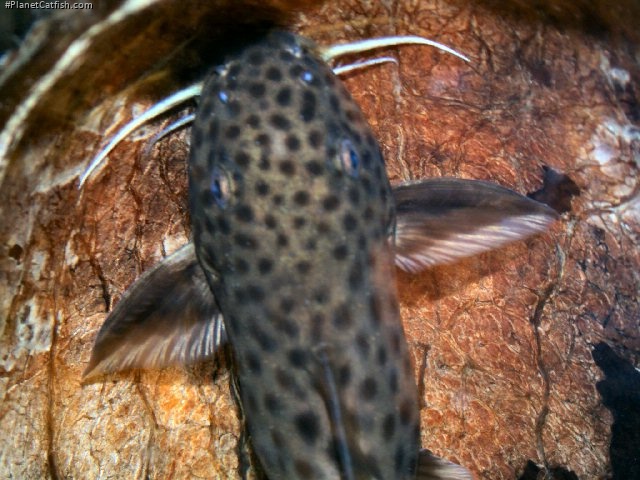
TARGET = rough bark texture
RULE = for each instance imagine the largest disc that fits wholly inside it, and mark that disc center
(504, 344)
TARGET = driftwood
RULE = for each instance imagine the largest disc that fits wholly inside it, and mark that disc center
(509, 347)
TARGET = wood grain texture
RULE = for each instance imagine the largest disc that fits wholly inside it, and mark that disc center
(502, 343)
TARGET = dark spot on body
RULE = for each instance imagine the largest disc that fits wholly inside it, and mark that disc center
(317, 325)
(272, 404)
(253, 121)
(243, 159)
(382, 356)
(266, 342)
(257, 90)
(367, 158)
(296, 70)
(356, 277)
(241, 266)
(287, 167)
(280, 122)
(286, 326)
(293, 143)
(368, 389)
(287, 304)
(399, 459)
(283, 240)
(234, 108)
(244, 213)
(283, 97)
(308, 107)
(277, 200)
(265, 265)
(263, 140)
(245, 241)
(315, 139)
(344, 376)
(350, 222)
(342, 317)
(209, 226)
(303, 267)
(393, 381)
(299, 222)
(308, 427)
(284, 380)
(362, 342)
(406, 412)
(224, 226)
(366, 184)
(321, 295)
(315, 168)
(214, 129)
(388, 427)
(396, 341)
(277, 439)
(254, 363)
(298, 358)
(232, 132)
(323, 228)
(255, 293)
(262, 188)
(274, 74)
(340, 252)
(330, 203)
(270, 221)
(334, 103)
(301, 198)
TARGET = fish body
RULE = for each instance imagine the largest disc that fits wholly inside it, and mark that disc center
(295, 233)
(291, 211)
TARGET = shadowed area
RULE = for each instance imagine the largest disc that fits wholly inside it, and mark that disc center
(620, 391)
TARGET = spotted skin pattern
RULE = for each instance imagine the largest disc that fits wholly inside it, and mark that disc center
(291, 212)
(296, 230)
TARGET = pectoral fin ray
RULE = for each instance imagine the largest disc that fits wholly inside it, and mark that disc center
(168, 317)
(431, 467)
(441, 220)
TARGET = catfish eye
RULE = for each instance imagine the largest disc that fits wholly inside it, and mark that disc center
(220, 187)
(348, 159)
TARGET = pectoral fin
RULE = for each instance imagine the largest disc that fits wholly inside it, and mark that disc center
(441, 220)
(169, 316)
(431, 467)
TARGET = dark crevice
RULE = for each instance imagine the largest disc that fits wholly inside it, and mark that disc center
(536, 319)
(542, 369)
(620, 392)
(533, 472)
(424, 348)
(104, 284)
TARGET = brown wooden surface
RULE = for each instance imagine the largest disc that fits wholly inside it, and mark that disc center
(502, 343)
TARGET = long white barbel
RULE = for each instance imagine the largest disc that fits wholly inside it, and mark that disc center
(193, 91)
